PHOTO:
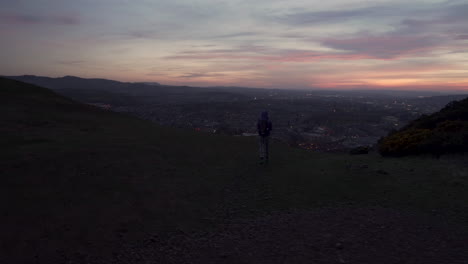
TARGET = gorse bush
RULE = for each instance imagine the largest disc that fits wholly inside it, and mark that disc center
(404, 143)
(443, 132)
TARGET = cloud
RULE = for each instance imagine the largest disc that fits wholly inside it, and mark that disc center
(461, 37)
(321, 17)
(239, 34)
(457, 12)
(262, 53)
(269, 43)
(200, 75)
(431, 18)
(238, 50)
(141, 34)
(445, 19)
(410, 36)
(385, 46)
(71, 62)
(21, 19)
(361, 46)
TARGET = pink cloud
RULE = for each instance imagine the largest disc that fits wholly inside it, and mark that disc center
(385, 47)
(388, 47)
(281, 56)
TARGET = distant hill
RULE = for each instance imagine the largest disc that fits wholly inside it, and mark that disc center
(97, 90)
(124, 93)
(445, 131)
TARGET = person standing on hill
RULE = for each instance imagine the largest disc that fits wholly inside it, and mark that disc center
(264, 127)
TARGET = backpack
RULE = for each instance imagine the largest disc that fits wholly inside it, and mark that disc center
(263, 127)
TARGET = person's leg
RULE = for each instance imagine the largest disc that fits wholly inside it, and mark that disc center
(267, 141)
(261, 148)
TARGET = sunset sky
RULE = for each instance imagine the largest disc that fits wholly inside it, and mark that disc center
(257, 43)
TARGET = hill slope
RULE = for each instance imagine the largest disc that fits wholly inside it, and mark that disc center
(74, 173)
(445, 131)
(82, 185)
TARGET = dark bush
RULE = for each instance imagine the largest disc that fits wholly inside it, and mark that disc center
(443, 132)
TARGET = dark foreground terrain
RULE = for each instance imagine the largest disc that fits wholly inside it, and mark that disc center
(82, 185)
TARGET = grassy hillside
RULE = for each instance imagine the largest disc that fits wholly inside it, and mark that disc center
(445, 131)
(77, 181)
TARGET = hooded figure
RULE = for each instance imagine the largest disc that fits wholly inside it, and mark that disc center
(264, 127)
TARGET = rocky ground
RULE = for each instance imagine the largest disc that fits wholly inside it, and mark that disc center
(326, 235)
(346, 233)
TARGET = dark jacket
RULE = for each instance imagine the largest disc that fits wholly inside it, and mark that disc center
(264, 117)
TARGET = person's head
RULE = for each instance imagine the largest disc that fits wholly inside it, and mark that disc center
(264, 115)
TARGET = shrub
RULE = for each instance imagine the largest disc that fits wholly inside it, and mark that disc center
(442, 132)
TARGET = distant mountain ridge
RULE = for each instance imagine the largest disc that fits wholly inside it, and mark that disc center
(73, 82)
(445, 131)
(94, 90)
(59, 82)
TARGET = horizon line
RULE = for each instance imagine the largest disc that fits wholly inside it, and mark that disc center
(349, 88)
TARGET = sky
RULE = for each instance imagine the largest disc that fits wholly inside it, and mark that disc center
(301, 44)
